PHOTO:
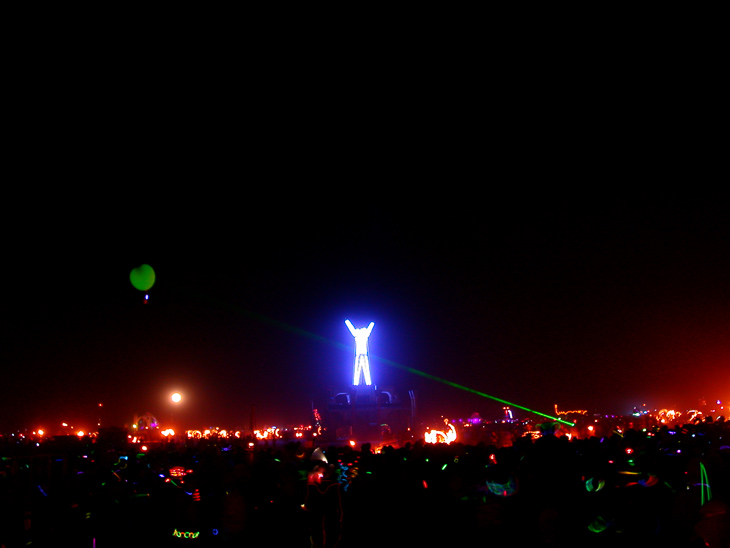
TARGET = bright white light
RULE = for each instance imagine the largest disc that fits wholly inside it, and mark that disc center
(362, 363)
(176, 397)
(439, 436)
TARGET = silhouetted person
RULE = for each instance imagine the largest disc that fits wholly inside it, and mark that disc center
(323, 504)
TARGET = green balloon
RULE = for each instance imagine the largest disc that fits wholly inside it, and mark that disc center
(142, 277)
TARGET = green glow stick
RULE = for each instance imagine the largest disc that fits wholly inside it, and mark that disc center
(704, 484)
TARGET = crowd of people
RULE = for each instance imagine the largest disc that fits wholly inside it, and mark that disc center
(661, 486)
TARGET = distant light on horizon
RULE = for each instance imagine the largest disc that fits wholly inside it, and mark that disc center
(439, 436)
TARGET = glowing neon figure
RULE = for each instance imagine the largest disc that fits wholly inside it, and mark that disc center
(362, 364)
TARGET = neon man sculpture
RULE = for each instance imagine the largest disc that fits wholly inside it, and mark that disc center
(362, 364)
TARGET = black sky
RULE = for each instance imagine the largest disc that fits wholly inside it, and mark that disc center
(545, 232)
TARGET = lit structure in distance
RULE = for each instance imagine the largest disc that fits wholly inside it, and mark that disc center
(362, 363)
(573, 412)
(441, 436)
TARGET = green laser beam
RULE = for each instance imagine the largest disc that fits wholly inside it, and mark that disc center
(467, 389)
(306, 334)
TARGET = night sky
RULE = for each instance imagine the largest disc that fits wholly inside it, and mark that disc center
(545, 232)
(600, 304)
